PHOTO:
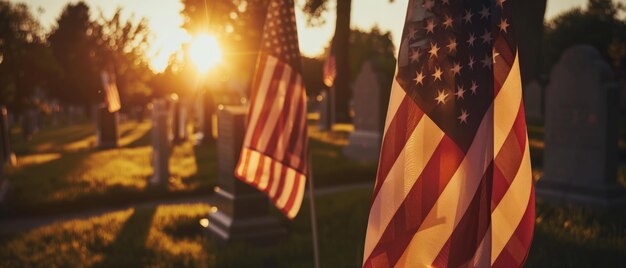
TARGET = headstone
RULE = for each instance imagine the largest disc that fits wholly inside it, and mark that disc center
(533, 97)
(107, 128)
(325, 121)
(5, 144)
(581, 128)
(370, 105)
(30, 123)
(160, 144)
(209, 111)
(179, 120)
(242, 211)
(6, 155)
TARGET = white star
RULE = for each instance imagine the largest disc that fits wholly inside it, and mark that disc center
(412, 32)
(415, 55)
(441, 97)
(456, 70)
(433, 50)
(484, 13)
(448, 22)
(460, 92)
(437, 74)
(429, 4)
(488, 61)
(468, 16)
(503, 25)
(500, 3)
(463, 116)
(419, 78)
(474, 87)
(486, 37)
(471, 39)
(430, 26)
(471, 62)
(452, 45)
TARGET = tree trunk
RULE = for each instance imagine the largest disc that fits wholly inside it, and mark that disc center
(342, 92)
(529, 16)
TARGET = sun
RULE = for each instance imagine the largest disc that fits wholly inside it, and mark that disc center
(205, 52)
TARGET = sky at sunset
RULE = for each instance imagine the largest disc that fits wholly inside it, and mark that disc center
(164, 20)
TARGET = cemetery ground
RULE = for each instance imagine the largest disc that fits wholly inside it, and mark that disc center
(59, 172)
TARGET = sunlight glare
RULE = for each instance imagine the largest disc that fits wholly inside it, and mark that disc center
(205, 52)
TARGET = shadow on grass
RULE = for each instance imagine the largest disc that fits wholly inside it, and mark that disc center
(144, 140)
(129, 247)
(52, 139)
(341, 238)
(32, 186)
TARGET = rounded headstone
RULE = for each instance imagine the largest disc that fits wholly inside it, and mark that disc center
(580, 157)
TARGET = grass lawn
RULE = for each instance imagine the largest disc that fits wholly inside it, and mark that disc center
(59, 170)
(171, 236)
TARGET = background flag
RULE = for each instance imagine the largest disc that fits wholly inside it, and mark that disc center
(454, 185)
(274, 154)
(111, 95)
(330, 69)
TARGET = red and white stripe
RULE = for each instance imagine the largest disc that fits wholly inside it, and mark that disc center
(428, 192)
(273, 157)
(112, 97)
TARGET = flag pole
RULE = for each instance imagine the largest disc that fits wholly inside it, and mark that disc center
(316, 255)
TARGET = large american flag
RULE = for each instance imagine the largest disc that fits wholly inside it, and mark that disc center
(454, 184)
(274, 154)
(111, 95)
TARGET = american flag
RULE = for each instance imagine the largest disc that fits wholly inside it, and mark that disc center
(274, 154)
(330, 67)
(454, 184)
(111, 95)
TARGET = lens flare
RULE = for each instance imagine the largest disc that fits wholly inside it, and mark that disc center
(205, 52)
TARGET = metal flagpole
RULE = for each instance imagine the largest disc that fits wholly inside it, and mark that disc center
(313, 216)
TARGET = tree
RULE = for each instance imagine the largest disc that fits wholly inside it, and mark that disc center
(74, 47)
(238, 24)
(124, 45)
(314, 9)
(373, 45)
(25, 62)
(597, 26)
(85, 47)
(528, 18)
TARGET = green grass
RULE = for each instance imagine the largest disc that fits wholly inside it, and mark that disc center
(171, 236)
(59, 170)
(573, 236)
(330, 166)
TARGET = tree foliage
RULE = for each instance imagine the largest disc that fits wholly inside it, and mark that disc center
(85, 47)
(597, 25)
(74, 46)
(25, 61)
(124, 45)
(373, 45)
(238, 24)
